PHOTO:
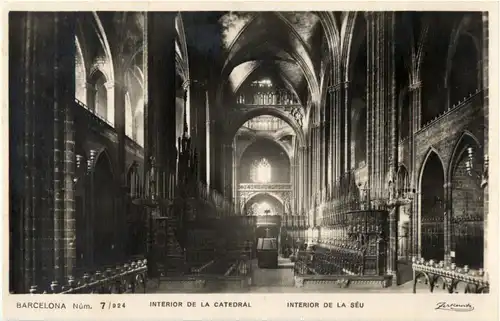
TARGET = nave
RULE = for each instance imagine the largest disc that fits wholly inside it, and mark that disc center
(187, 147)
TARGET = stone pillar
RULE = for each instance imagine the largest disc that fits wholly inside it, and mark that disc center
(333, 163)
(64, 144)
(227, 170)
(160, 139)
(234, 176)
(302, 181)
(416, 101)
(447, 228)
(197, 94)
(346, 110)
(208, 143)
(42, 89)
(294, 176)
(161, 117)
(380, 101)
(110, 110)
(120, 217)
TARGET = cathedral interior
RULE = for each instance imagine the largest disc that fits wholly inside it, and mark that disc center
(156, 152)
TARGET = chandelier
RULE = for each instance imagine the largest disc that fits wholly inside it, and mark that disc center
(472, 171)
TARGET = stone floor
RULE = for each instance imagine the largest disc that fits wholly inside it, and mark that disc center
(281, 280)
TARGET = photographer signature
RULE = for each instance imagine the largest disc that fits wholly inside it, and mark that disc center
(458, 307)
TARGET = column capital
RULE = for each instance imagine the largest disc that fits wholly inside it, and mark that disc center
(415, 85)
(186, 84)
(110, 85)
(338, 86)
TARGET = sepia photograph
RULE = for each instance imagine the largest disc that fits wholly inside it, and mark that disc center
(209, 152)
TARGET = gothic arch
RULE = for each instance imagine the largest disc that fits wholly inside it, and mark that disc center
(429, 153)
(294, 47)
(271, 195)
(103, 154)
(465, 139)
(431, 207)
(255, 112)
(255, 136)
(270, 139)
(461, 30)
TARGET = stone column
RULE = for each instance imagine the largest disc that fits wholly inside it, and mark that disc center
(227, 170)
(415, 92)
(120, 217)
(346, 110)
(235, 172)
(208, 143)
(380, 101)
(42, 88)
(64, 145)
(302, 181)
(110, 110)
(160, 139)
(161, 117)
(197, 94)
(447, 226)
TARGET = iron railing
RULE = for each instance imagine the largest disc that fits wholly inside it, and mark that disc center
(434, 276)
(127, 278)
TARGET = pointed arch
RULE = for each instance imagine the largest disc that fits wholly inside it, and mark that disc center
(466, 139)
(103, 155)
(430, 152)
(263, 195)
(432, 207)
(101, 34)
(243, 44)
(347, 36)
(332, 33)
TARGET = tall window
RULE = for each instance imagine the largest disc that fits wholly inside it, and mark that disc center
(261, 171)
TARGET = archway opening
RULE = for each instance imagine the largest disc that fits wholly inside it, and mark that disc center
(432, 209)
(467, 220)
(263, 204)
(264, 162)
(99, 95)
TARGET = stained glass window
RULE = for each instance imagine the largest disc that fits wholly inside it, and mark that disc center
(261, 171)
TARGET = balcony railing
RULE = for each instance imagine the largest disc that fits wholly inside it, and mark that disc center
(265, 187)
(94, 113)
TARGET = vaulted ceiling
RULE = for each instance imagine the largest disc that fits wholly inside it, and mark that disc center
(284, 45)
